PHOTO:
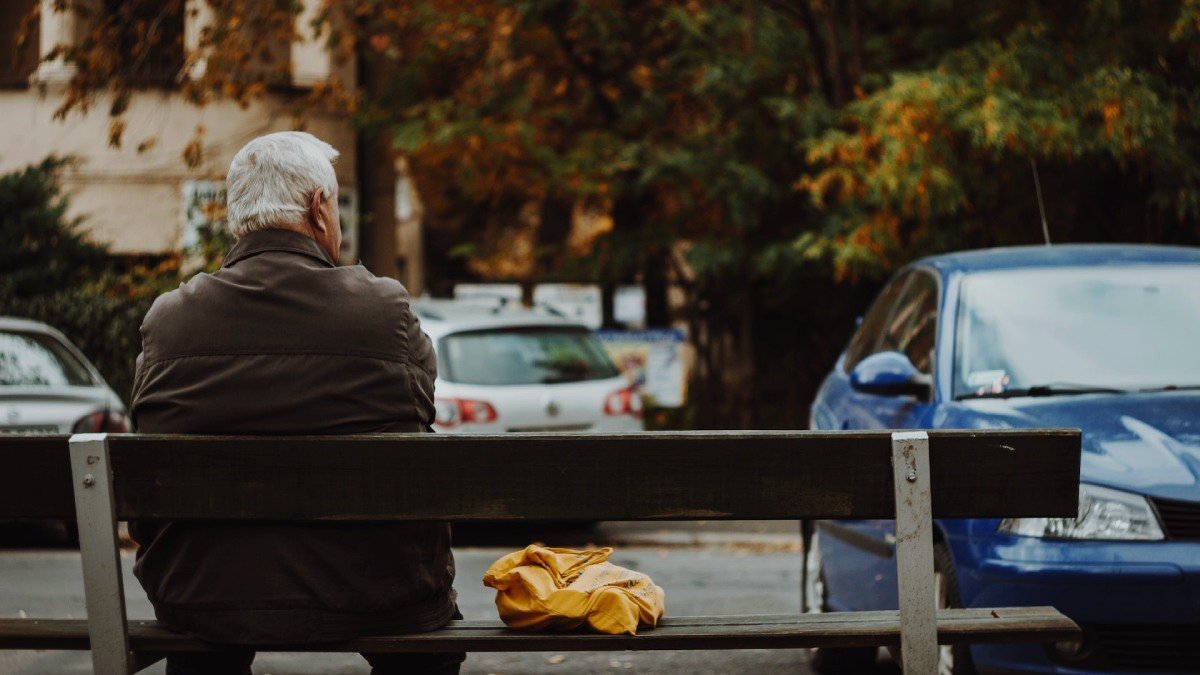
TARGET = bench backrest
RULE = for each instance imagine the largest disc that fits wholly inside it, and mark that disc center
(651, 476)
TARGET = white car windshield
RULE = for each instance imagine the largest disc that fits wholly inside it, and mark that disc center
(523, 356)
(37, 359)
(1076, 330)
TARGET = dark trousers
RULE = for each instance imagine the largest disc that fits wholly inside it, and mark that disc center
(238, 663)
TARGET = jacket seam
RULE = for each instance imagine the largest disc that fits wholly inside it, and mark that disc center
(293, 352)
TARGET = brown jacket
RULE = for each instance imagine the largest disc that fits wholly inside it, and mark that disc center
(281, 341)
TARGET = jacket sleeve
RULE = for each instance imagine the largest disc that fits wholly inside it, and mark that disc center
(422, 367)
(136, 396)
(139, 373)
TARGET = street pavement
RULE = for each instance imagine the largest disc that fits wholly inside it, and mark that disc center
(705, 568)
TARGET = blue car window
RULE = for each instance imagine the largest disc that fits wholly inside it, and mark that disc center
(912, 329)
(866, 337)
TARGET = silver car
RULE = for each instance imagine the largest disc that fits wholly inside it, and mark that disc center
(48, 387)
(503, 369)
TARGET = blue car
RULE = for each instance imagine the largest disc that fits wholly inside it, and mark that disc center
(1102, 338)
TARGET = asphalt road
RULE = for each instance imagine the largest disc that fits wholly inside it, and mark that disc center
(705, 568)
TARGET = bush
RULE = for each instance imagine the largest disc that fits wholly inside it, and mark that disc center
(51, 272)
(105, 329)
(43, 252)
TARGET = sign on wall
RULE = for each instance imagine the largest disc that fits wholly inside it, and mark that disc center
(348, 212)
(204, 204)
(652, 359)
(577, 302)
(508, 293)
(629, 306)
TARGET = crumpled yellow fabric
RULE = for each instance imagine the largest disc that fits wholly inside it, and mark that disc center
(556, 589)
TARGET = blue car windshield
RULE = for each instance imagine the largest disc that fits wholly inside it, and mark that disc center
(1078, 329)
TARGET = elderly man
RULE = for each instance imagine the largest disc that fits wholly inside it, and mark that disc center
(280, 340)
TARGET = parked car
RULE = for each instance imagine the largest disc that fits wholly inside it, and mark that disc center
(48, 387)
(1103, 338)
(504, 369)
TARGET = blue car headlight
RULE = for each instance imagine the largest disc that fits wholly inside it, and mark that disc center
(1104, 513)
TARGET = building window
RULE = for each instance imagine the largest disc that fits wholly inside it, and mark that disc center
(18, 59)
(150, 36)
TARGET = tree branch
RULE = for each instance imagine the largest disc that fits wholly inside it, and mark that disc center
(558, 19)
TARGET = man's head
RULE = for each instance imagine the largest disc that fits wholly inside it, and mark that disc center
(285, 181)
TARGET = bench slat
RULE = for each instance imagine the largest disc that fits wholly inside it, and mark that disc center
(35, 478)
(653, 476)
(849, 629)
(649, 476)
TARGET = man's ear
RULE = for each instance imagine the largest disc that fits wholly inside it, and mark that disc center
(315, 217)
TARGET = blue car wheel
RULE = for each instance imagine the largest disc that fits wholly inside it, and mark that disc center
(826, 660)
(952, 659)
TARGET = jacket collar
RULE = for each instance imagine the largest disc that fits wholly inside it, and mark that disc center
(261, 241)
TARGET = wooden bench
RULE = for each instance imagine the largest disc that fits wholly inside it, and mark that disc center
(101, 479)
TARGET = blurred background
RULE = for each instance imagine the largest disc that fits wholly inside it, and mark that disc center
(732, 180)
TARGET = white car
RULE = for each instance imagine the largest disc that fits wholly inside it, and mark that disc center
(504, 369)
(48, 387)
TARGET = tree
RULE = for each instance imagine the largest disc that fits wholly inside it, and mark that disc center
(51, 272)
(43, 251)
(1100, 96)
(753, 150)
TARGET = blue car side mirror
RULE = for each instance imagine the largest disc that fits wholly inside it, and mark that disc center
(890, 374)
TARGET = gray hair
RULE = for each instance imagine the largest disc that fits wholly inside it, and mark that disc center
(272, 179)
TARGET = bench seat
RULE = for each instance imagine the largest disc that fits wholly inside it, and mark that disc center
(846, 629)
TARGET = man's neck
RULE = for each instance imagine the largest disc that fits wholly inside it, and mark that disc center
(298, 228)
(306, 230)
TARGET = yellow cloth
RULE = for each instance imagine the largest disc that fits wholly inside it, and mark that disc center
(548, 589)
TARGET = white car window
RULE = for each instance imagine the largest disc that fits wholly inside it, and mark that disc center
(36, 359)
(524, 356)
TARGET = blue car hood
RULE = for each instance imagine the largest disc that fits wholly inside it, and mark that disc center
(1146, 443)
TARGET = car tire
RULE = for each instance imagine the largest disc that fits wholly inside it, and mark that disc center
(952, 659)
(70, 534)
(827, 660)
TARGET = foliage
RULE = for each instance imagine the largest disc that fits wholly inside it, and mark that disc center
(776, 135)
(49, 273)
(42, 250)
(54, 274)
(1100, 94)
(753, 150)
(105, 328)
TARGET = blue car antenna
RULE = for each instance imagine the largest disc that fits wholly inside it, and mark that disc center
(1037, 184)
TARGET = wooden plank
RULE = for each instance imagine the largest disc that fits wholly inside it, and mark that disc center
(848, 629)
(647, 476)
(35, 481)
(35, 478)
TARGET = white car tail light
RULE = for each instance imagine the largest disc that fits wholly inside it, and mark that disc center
(102, 421)
(454, 411)
(624, 402)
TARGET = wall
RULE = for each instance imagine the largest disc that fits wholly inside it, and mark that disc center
(134, 200)
(132, 197)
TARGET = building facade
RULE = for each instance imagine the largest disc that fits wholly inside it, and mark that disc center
(140, 198)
